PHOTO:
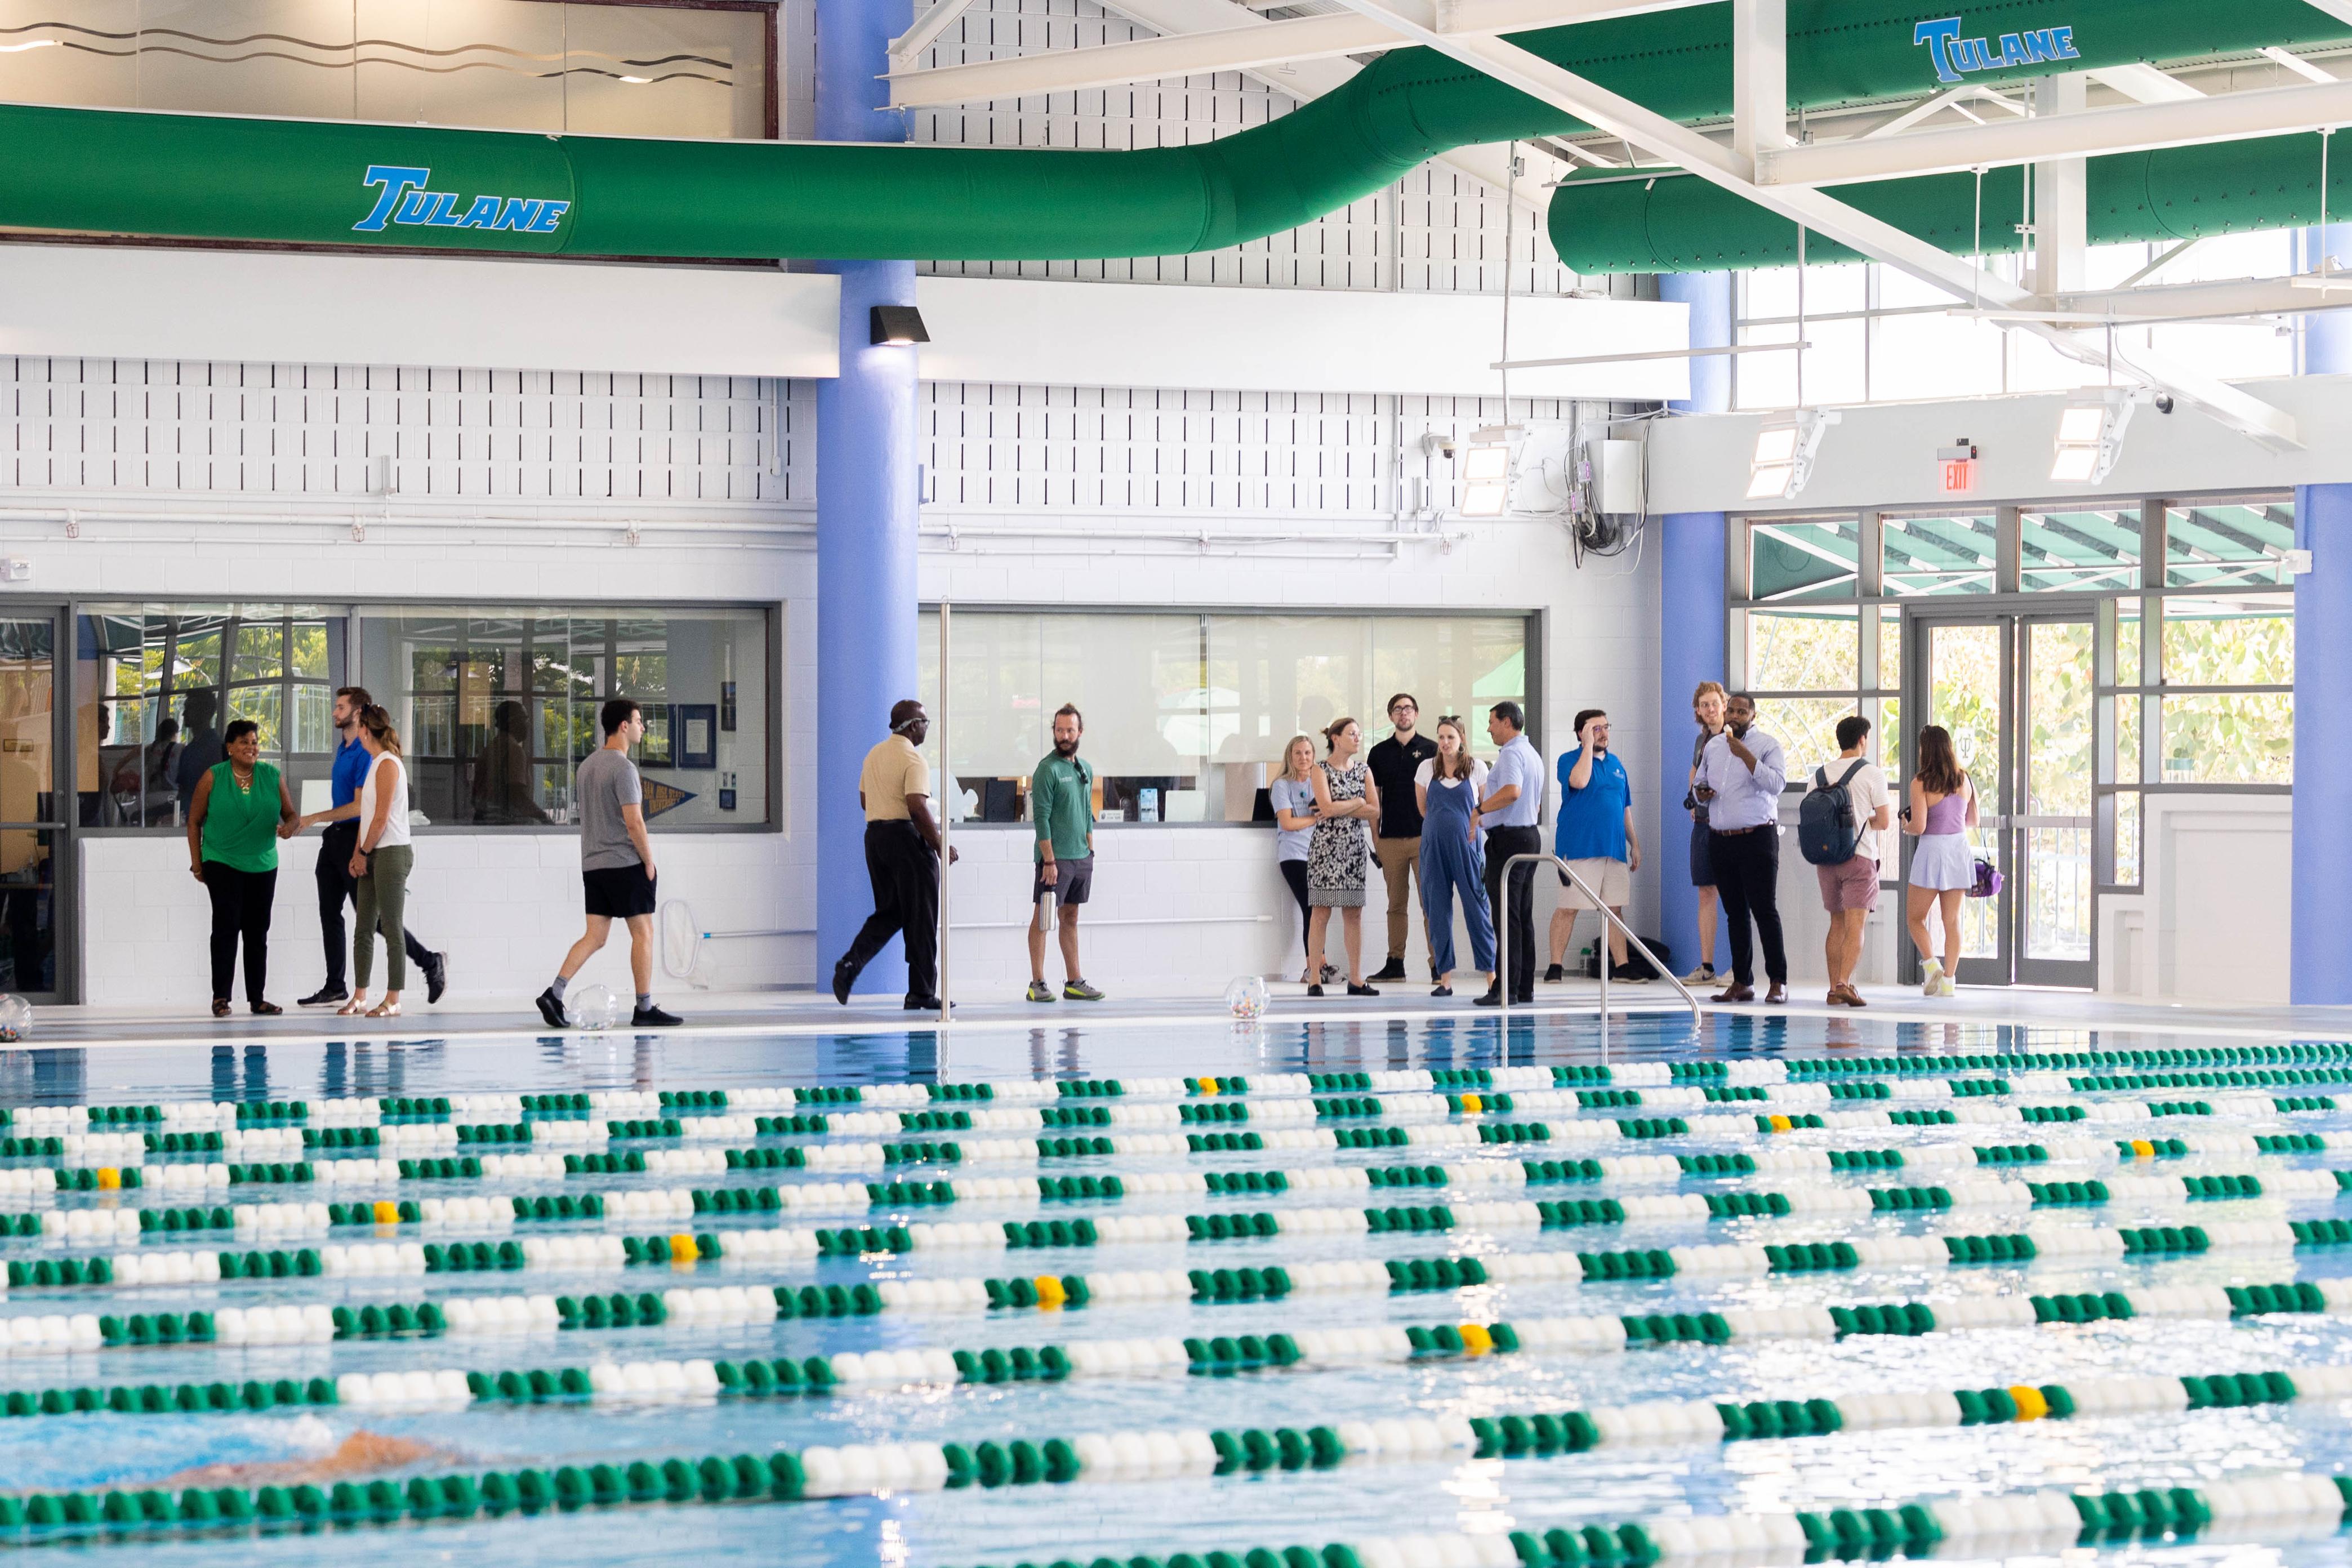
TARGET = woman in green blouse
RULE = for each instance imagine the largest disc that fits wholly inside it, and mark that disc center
(240, 811)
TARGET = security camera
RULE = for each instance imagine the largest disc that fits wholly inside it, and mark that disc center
(1434, 445)
(2163, 401)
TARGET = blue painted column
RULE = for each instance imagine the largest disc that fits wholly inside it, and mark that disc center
(2321, 945)
(865, 477)
(1691, 561)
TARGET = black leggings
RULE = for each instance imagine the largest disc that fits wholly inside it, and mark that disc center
(1294, 873)
(241, 903)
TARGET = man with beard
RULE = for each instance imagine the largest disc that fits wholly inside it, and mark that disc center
(1594, 834)
(1062, 805)
(1740, 776)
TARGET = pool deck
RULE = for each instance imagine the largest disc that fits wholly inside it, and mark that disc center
(723, 1015)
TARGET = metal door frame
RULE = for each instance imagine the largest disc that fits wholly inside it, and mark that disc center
(65, 802)
(2004, 830)
(2082, 973)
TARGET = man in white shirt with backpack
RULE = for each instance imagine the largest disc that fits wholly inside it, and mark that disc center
(1848, 807)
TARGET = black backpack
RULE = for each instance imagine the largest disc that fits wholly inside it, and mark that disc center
(1828, 828)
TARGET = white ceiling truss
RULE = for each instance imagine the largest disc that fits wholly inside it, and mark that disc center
(2052, 125)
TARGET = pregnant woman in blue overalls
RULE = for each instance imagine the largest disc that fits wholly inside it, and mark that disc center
(1449, 786)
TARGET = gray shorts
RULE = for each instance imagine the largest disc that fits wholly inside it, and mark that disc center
(1073, 881)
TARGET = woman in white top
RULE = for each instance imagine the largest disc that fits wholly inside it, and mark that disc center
(381, 862)
(1292, 796)
(1943, 808)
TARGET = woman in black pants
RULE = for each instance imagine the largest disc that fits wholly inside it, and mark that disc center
(1292, 796)
(238, 813)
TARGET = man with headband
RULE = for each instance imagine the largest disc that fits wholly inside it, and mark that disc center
(902, 857)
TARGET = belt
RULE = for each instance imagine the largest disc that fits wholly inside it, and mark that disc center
(1733, 832)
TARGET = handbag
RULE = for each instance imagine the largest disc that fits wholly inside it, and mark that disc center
(1988, 879)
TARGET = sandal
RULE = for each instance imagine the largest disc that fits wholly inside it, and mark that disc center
(266, 1009)
(356, 1005)
(220, 1008)
(384, 1010)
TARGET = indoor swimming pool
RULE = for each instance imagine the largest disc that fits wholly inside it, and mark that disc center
(1385, 1293)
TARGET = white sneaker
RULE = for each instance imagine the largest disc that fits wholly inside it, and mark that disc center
(1948, 987)
(1932, 977)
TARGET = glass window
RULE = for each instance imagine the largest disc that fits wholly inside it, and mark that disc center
(1803, 559)
(1809, 652)
(2243, 639)
(2227, 544)
(1187, 714)
(1940, 554)
(2230, 738)
(2128, 809)
(498, 706)
(2079, 552)
(630, 67)
(156, 684)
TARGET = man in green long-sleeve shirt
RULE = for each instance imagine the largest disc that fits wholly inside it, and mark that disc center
(1062, 805)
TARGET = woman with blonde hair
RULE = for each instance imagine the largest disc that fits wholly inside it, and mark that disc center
(1346, 803)
(1708, 705)
(1448, 788)
(1943, 808)
(381, 863)
(1292, 798)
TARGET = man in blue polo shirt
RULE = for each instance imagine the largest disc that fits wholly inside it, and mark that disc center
(1594, 834)
(333, 874)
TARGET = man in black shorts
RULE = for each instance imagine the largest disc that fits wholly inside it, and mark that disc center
(617, 864)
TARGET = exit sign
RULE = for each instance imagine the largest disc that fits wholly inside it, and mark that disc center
(1956, 466)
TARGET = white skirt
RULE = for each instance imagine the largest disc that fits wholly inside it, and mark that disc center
(1943, 861)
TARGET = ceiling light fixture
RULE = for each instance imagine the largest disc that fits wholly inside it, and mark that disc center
(2091, 434)
(1786, 444)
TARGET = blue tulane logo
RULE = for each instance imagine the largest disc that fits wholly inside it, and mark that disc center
(1955, 55)
(402, 198)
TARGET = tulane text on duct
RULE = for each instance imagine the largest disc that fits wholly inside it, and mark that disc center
(1955, 55)
(402, 199)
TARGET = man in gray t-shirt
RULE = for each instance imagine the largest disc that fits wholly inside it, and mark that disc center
(617, 864)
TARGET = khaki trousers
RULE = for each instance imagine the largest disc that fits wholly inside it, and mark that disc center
(1399, 860)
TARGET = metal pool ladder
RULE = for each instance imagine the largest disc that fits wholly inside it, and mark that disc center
(1503, 953)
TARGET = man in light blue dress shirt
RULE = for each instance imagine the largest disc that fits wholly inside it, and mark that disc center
(1511, 809)
(1740, 775)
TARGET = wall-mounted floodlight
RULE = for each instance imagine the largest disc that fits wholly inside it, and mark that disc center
(1783, 458)
(1485, 473)
(896, 326)
(2090, 435)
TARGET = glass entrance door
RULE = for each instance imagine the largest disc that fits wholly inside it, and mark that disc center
(32, 829)
(2015, 691)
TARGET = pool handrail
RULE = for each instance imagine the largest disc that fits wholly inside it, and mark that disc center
(1610, 916)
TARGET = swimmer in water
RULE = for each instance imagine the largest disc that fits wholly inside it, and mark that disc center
(362, 1453)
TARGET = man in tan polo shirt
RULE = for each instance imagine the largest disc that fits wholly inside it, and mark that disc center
(902, 857)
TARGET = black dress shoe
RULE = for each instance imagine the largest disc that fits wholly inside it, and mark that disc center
(326, 995)
(1392, 969)
(842, 977)
(1443, 990)
(1554, 975)
(550, 1008)
(1356, 990)
(1488, 999)
(437, 976)
(653, 1018)
(926, 1005)
(1315, 991)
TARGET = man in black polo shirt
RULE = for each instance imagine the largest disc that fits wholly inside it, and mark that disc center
(1394, 763)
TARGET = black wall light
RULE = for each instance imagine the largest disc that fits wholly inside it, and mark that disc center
(898, 325)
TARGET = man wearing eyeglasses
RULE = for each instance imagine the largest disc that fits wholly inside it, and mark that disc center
(1397, 845)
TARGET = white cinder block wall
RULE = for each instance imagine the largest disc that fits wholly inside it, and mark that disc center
(159, 481)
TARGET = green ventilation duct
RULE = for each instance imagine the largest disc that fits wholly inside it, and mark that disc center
(301, 182)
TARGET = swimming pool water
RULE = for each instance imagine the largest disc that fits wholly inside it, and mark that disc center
(1604, 1177)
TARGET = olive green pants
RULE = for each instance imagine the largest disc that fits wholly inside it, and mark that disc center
(383, 897)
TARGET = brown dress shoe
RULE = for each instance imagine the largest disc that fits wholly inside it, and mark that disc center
(1735, 992)
(1851, 997)
(1777, 995)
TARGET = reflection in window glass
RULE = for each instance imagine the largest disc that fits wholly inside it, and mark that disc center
(2079, 552)
(1186, 715)
(2237, 545)
(2128, 820)
(2127, 740)
(1890, 648)
(1806, 727)
(498, 706)
(1812, 652)
(2127, 651)
(2245, 639)
(156, 685)
(1953, 554)
(1802, 560)
(2230, 738)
